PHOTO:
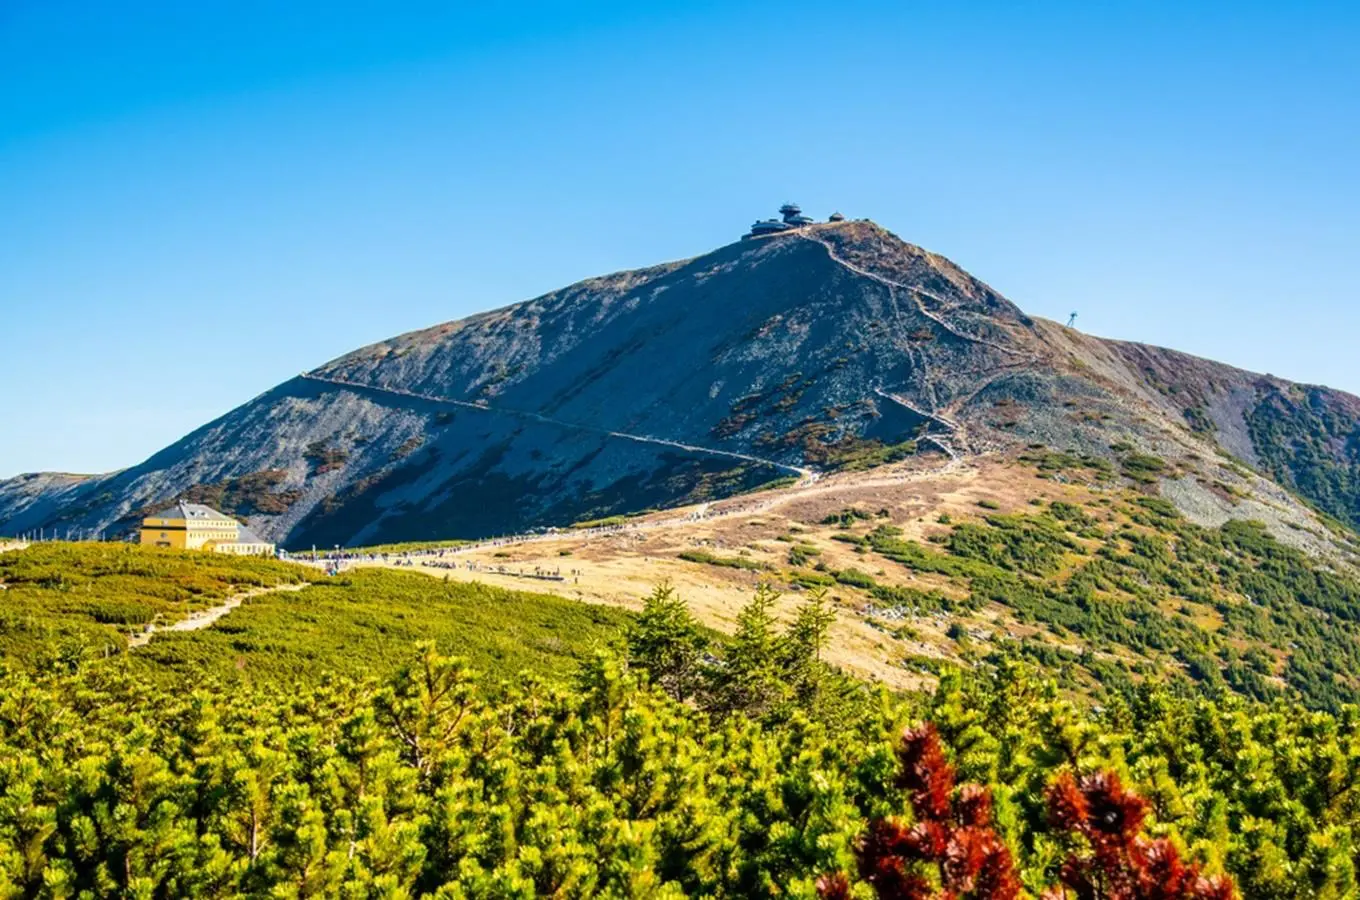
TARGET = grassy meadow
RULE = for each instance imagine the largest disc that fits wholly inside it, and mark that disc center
(67, 603)
(366, 622)
(85, 597)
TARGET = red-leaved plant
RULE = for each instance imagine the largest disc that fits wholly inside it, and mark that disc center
(952, 835)
(1119, 862)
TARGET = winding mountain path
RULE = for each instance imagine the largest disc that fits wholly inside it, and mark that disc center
(915, 292)
(800, 471)
(925, 414)
(937, 414)
(205, 617)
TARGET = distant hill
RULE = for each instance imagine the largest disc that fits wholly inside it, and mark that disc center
(834, 346)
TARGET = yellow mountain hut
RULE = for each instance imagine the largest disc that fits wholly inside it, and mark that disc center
(193, 526)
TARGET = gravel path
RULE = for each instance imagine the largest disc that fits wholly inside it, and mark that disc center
(801, 472)
(205, 617)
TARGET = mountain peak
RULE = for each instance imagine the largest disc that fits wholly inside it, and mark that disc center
(800, 349)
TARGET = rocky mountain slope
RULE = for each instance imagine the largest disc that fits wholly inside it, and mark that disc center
(830, 347)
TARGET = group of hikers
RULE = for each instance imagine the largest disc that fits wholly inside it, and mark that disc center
(540, 572)
(335, 561)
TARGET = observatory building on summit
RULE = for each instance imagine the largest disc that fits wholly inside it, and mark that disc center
(790, 217)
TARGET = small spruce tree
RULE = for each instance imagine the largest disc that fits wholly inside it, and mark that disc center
(666, 642)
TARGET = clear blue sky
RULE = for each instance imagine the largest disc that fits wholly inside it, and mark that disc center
(268, 185)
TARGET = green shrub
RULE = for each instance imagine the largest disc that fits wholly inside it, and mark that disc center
(731, 562)
(1142, 468)
(855, 578)
(846, 517)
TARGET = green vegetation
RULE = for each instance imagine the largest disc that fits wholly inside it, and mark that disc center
(1198, 420)
(743, 478)
(429, 784)
(855, 578)
(304, 746)
(895, 597)
(1070, 514)
(1017, 543)
(764, 673)
(67, 604)
(781, 482)
(856, 455)
(887, 541)
(1139, 591)
(810, 580)
(606, 522)
(1229, 608)
(846, 517)
(731, 562)
(70, 599)
(245, 496)
(1307, 444)
(366, 621)
(1050, 462)
(1142, 468)
(407, 546)
(823, 444)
